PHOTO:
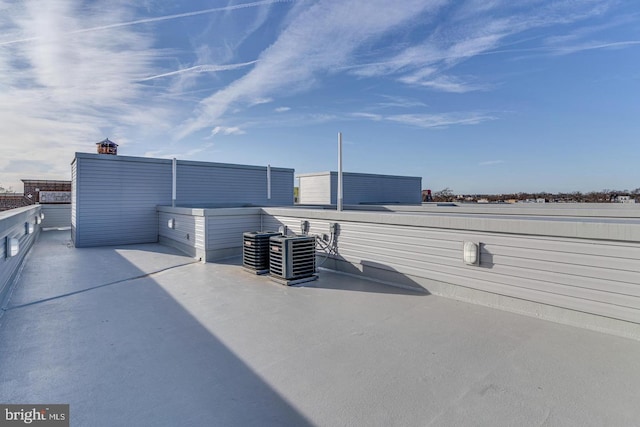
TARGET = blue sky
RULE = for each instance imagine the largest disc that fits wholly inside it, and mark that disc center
(481, 96)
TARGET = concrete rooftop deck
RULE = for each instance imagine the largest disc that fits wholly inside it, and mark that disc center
(142, 335)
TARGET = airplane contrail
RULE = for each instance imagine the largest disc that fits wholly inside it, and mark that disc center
(156, 19)
(200, 69)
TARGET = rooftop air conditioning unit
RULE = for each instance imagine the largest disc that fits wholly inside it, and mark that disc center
(255, 250)
(292, 260)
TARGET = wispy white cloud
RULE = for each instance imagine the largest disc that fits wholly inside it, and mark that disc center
(307, 48)
(259, 100)
(428, 121)
(592, 45)
(368, 116)
(440, 120)
(476, 27)
(59, 94)
(399, 102)
(443, 83)
(72, 73)
(117, 25)
(227, 131)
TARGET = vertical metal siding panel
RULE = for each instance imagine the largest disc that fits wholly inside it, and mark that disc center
(282, 187)
(117, 199)
(333, 188)
(270, 223)
(315, 190)
(225, 232)
(228, 185)
(220, 185)
(381, 189)
(56, 216)
(185, 225)
(200, 236)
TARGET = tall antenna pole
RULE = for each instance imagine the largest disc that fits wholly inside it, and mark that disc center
(340, 194)
(268, 182)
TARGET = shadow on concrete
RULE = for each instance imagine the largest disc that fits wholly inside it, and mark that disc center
(344, 280)
(327, 280)
(127, 353)
(369, 276)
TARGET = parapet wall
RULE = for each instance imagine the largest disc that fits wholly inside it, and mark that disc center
(14, 225)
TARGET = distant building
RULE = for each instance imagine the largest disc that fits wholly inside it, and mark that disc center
(624, 199)
(12, 201)
(38, 191)
(47, 191)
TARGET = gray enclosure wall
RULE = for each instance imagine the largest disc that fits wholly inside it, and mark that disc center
(56, 216)
(358, 188)
(114, 198)
(207, 234)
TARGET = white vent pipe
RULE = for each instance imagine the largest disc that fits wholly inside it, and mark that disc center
(174, 171)
(339, 207)
(268, 182)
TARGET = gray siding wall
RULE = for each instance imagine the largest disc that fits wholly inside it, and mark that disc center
(115, 197)
(282, 183)
(56, 216)
(225, 231)
(365, 188)
(208, 234)
(188, 234)
(12, 225)
(315, 190)
(322, 188)
(201, 184)
(586, 275)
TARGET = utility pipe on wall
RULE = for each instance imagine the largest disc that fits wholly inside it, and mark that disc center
(339, 207)
(174, 170)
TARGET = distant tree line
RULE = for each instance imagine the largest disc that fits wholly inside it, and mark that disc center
(6, 190)
(604, 196)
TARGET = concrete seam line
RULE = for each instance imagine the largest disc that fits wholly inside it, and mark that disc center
(98, 286)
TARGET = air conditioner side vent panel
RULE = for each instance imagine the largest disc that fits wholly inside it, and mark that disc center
(255, 250)
(292, 260)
